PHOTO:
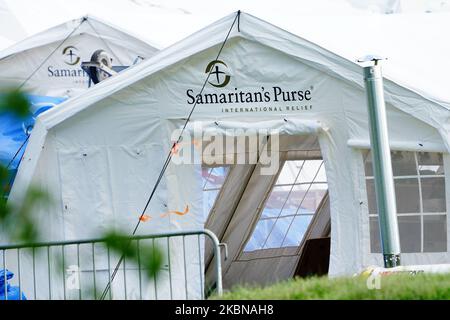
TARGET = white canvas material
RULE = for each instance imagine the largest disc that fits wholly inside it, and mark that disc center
(5, 42)
(14, 31)
(124, 127)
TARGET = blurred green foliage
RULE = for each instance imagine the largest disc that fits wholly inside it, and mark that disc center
(392, 287)
(15, 101)
(150, 258)
(17, 221)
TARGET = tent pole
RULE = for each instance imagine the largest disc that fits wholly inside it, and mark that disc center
(382, 166)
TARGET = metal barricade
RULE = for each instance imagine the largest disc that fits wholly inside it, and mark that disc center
(69, 269)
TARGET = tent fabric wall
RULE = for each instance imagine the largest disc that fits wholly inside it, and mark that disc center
(143, 105)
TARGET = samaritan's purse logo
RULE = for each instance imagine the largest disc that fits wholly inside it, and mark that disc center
(71, 55)
(271, 98)
(219, 78)
(71, 69)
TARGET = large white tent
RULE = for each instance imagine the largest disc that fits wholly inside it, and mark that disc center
(109, 146)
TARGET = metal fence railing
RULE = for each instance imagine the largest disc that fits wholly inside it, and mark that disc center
(83, 269)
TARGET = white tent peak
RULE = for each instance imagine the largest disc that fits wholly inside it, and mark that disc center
(87, 24)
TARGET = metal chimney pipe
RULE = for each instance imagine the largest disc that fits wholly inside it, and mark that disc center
(382, 166)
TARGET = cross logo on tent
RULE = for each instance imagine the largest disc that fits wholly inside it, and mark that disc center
(71, 55)
(219, 78)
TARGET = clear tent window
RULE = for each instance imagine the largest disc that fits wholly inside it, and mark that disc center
(290, 206)
(419, 181)
(213, 179)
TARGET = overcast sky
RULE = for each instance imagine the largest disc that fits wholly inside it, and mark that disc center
(166, 21)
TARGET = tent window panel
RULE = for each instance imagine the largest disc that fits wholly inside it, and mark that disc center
(297, 230)
(434, 231)
(289, 208)
(407, 195)
(433, 194)
(213, 180)
(311, 172)
(296, 195)
(409, 228)
(209, 198)
(278, 232)
(430, 163)
(375, 244)
(276, 200)
(371, 200)
(289, 173)
(368, 169)
(403, 163)
(313, 198)
(262, 229)
(421, 201)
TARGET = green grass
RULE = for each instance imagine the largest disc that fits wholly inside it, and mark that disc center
(398, 287)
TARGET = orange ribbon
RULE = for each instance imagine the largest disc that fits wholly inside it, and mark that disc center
(186, 210)
(144, 218)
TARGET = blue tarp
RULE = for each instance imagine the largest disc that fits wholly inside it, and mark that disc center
(7, 291)
(14, 130)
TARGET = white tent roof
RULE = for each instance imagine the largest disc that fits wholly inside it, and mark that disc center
(343, 27)
(349, 32)
(258, 30)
